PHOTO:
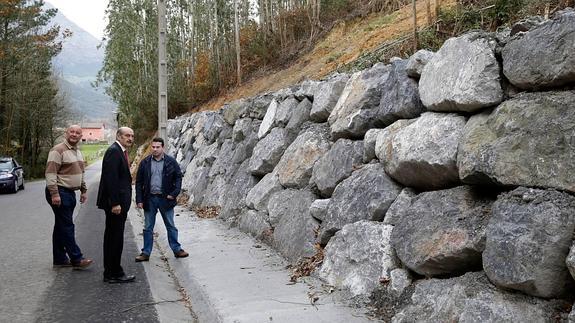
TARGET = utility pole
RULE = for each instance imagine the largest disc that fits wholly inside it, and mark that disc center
(162, 71)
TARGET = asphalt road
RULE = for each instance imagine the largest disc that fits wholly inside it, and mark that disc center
(32, 291)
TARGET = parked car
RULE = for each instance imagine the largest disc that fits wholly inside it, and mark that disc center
(11, 175)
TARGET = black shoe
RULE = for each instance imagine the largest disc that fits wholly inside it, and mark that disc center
(119, 280)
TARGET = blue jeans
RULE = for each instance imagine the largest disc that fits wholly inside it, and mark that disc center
(159, 203)
(64, 247)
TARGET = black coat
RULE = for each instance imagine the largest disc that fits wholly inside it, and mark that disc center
(116, 180)
(171, 181)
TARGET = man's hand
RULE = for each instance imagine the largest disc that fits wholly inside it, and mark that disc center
(83, 198)
(116, 209)
(169, 197)
(140, 205)
(56, 201)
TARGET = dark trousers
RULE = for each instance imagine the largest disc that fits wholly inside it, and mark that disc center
(64, 247)
(114, 243)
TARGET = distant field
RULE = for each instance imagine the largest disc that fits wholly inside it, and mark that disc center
(93, 152)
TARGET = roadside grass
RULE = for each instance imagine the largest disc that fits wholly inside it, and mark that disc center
(93, 152)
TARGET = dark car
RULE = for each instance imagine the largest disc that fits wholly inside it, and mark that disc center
(11, 175)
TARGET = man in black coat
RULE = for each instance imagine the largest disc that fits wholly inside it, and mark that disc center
(115, 197)
(158, 183)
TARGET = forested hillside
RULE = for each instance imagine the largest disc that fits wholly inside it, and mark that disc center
(29, 105)
(223, 50)
(206, 40)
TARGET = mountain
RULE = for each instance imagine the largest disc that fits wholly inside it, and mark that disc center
(77, 66)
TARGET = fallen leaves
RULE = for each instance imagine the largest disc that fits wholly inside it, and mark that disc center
(183, 198)
(308, 265)
(208, 212)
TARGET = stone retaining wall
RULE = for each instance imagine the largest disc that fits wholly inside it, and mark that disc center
(451, 171)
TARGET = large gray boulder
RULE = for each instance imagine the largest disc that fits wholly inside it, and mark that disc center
(307, 90)
(205, 156)
(326, 97)
(254, 108)
(268, 151)
(255, 223)
(400, 206)
(423, 154)
(245, 138)
(384, 139)
(225, 134)
(526, 141)
(235, 110)
(369, 141)
(571, 261)
(215, 191)
(526, 24)
(185, 148)
(268, 123)
(295, 231)
(417, 62)
(285, 111)
(336, 165)
(237, 149)
(471, 298)
(357, 108)
(365, 195)
(359, 256)
(549, 62)
(259, 106)
(399, 280)
(443, 232)
(194, 184)
(258, 197)
(224, 164)
(463, 75)
(289, 202)
(176, 126)
(318, 209)
(400, 96)
(528, 239)
(234, 200)
(299, 116)
(241, 130)
(207, 125)
(296, 165)
(285, 93)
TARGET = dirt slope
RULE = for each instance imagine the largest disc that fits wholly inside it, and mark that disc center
(344, 44)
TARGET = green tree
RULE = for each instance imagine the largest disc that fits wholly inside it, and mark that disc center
(29, 109)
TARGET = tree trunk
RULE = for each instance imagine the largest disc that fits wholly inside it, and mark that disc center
(237, 32)
(217, 46)
(414, 26)
(3, 80)
(428, 7)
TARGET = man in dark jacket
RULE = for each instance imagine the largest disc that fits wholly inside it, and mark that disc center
(158, 183)
(115, 197)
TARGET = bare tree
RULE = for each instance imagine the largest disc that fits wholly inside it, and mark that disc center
(237, 34)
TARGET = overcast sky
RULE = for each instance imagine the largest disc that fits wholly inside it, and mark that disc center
(88, 14)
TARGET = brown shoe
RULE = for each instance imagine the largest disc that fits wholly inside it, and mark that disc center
(181, 254)
(142, 257)
(82, 264)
